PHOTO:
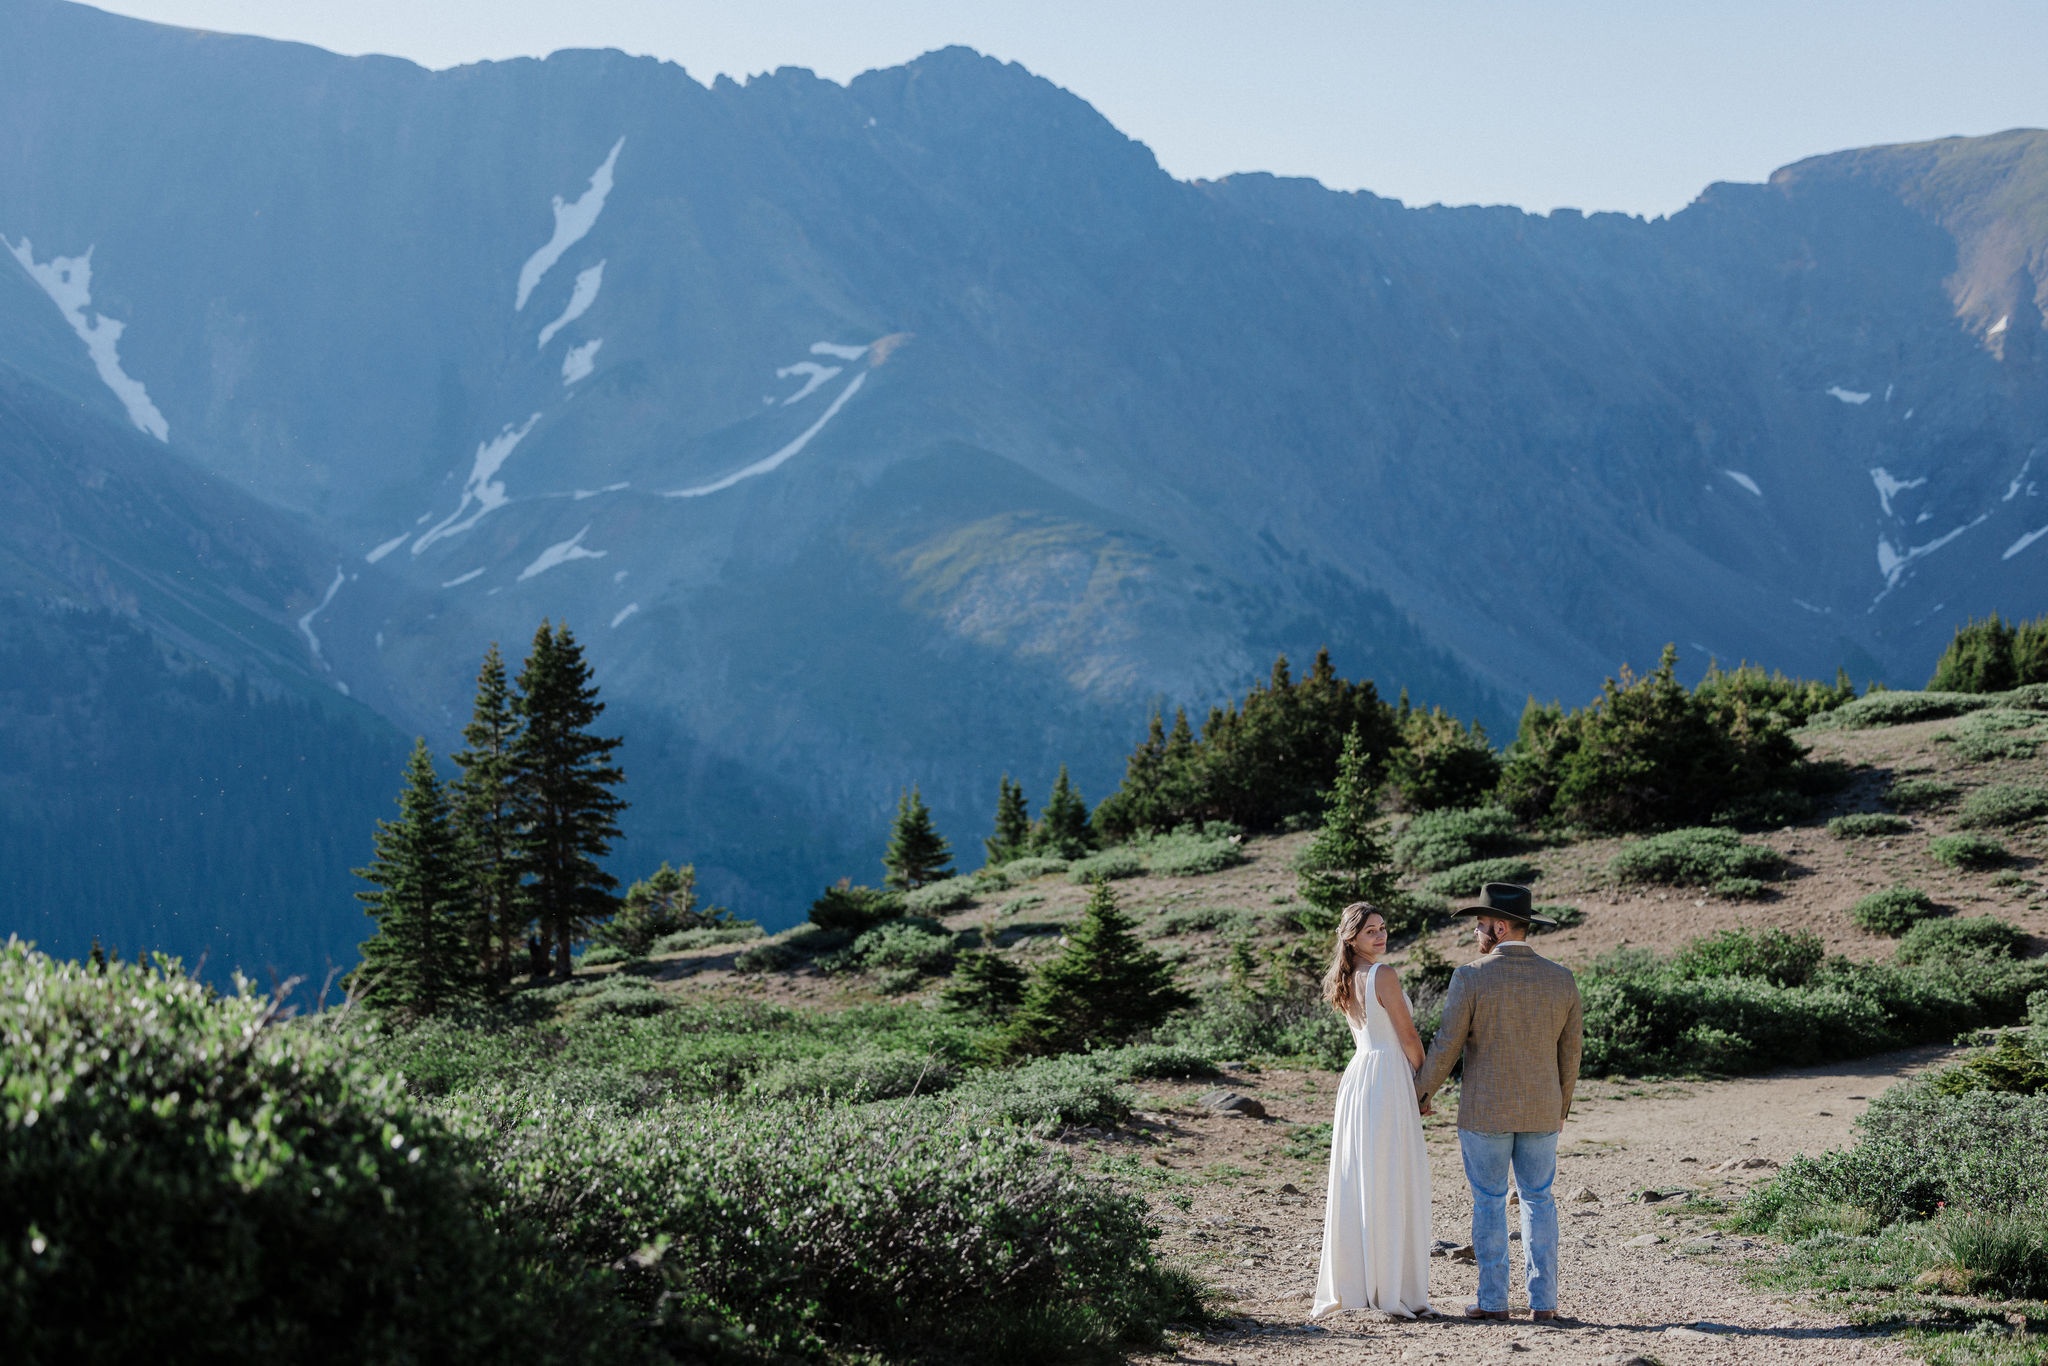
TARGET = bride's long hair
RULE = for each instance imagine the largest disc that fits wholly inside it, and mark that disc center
(1337, 982)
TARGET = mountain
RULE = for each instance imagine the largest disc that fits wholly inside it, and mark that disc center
(921, 429)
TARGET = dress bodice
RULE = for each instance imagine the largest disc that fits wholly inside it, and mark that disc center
(1372, 1028)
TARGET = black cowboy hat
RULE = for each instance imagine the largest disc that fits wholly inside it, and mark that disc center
(1508, 901)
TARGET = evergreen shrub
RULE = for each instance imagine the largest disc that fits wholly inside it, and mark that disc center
(1900, 709)
(2005, 804)
(1436, 840)
(1467, 878)
(1696, 857)
(984, 985)
(769, 957)
(1741, 889)
(711, 936)
(854, 909)
(1032, 867)
(1993, 656)
(623, 997)
(1893, 910)
(1409, 913)
(1565, 914)
(1442, 762)
(937, 898)
(1104, 989)
(1971, 853)
(1222, 920)
(662, 904)
(185, 1177)
(1192, 852)
(602, 956)
(913, 943)
(1920, 794)
(1111, 863)
(1941, 941)
(1867, 825)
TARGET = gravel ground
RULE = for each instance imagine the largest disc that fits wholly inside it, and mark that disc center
(1637, 1280)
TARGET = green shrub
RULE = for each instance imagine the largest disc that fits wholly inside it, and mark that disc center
(1983, 936)
(1191, 853)
(912, 944)
(1110, 863)
(1033, 867)
(1564, 914)
(603, 955)
(628, 997)
(1437, 840)
(1153, 1061)
(1697, 857)
(2008, 1065)
(1900, 709)
(1918, 1149)
(855, 1075)
(854, 909)
(1046, 1094)
(985, 986)
(1208, 919)
(1920, 794)
(1291, 1026)
(1867, 824)
(2005, 804)
(683, 941)
(661, 904)
(1409, 913)
(1467, 878)
(1971, 853)
(1771, 955)
(185, 1177)
(768, 957)
(841, 1232)
(1893, 911)
(1741, 889)
(937, 898)
(1993, 735)
(1993, 656)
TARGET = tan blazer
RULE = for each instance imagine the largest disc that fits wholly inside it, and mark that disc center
(1515, 1016)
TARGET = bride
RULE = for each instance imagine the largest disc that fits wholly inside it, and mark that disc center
(1376, 1217)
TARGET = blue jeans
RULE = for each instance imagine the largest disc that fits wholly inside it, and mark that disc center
(1532, 1157)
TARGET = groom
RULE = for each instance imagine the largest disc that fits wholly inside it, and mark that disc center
(1515, 1018)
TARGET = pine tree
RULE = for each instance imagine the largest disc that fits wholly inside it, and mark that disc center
(1012, 837)
(568, 813)
(985, 985)
(1346, 861)
(1103, 989)
(418, 962)
(660, 904)
(486, 821)
(917, 852)
(1063, 829)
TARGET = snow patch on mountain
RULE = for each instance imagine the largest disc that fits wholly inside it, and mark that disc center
(1739, 477)
(588, 282)
(572, 221)
(68, 282)
(306, 621)
(385, 549)
(760, 467)
(628, 610)
(1998, 326)
(579, 361)
(2019, 480)
(1892, 561)
(838, 351)
(461, 579)
(2023, 542)
(482, 488)
(560, 553)
(817, 375)
(1849, 396)
(580, 494)
(1888, 487)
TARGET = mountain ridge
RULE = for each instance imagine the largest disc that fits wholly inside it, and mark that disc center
(923, 428)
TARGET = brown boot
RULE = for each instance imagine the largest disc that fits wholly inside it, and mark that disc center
(1473, 1311)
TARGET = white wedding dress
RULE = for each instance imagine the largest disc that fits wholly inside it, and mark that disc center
(1376, 1216)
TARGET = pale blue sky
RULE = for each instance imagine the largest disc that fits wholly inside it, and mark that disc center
(1594, 104)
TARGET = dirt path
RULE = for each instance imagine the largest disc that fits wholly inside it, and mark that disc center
(1243, 1205)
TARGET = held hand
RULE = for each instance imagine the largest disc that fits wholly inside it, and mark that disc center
(1427, 1108)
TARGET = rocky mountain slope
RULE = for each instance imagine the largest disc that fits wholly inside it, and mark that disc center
(923, 428)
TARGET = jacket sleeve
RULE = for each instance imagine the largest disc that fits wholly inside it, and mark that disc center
(1570, 1043)
(1449, 1042)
